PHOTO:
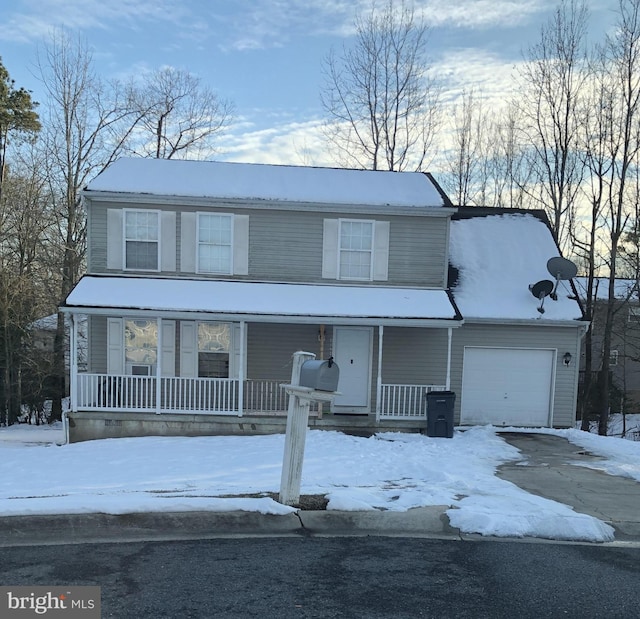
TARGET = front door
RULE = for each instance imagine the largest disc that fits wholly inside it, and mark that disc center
(352, 353)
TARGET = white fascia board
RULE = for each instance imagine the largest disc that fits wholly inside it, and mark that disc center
(529, 322)
(178, 201)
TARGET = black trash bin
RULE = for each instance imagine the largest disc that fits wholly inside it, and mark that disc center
(440, 413)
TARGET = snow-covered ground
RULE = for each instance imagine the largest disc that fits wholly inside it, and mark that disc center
(391, 471)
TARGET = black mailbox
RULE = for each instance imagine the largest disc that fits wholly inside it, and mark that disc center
(320, 375)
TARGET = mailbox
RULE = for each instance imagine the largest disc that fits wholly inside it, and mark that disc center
(320, 375)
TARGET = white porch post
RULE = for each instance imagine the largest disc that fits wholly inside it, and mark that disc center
(73, 367)
(379, 377)
(159, 367)
(448, 381)
(243, 330)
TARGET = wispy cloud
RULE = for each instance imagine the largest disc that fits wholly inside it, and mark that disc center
(293, 143)
(33, 20)
(483, 13)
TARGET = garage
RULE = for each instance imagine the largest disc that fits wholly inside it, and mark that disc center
(507, 386)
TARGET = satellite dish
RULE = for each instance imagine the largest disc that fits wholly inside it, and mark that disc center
(560, 268)
(540, 290)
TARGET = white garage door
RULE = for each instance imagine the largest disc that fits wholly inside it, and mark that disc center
(507, 386)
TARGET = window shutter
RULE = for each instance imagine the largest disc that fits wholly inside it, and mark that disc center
(168, 347)
(235, 357)
(241, 245)
(188, 242)
(188, 349)
(115, 346)
(381, 251)
(114, 238)
(168, 241)
(330, 249)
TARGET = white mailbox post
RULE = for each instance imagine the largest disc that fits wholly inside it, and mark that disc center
(300, 397)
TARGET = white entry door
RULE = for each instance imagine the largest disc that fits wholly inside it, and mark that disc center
(507, 386)
(352, 353)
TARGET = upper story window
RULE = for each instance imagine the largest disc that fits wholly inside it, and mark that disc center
(356, 249)
(141, 240)
(215, 243)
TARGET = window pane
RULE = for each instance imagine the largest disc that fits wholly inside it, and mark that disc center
(356, 244)
(356, 235)
(141, 255)
(214, 229)
(214, 337)
(214, 259)
(355, 265)
(141, 341)
(141, 226)
(213, 365)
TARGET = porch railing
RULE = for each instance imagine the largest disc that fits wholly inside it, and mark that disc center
(220, 396)
(405, 401)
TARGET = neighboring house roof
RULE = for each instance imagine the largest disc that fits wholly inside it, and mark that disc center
(249, 181)
(498, 255)
(264, 301)
(624, 289)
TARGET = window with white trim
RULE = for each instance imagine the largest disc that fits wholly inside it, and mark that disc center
(215, 243)
(140, 346)
(141, 240)
(356, 249)
(214, 346)
(613, 357)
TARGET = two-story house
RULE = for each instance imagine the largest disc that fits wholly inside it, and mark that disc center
(204, 278)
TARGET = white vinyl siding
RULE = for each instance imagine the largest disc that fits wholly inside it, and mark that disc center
(356, 250)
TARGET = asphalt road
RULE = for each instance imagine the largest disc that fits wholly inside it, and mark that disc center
(339, 577)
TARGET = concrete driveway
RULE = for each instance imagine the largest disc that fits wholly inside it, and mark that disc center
(556, 469)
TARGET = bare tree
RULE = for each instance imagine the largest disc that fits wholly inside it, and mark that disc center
(467, 159)
(86, 125)
(619, 72)
(179, 115)
(381, 100)
(552, 77)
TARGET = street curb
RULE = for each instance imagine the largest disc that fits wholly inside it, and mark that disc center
(80, 528)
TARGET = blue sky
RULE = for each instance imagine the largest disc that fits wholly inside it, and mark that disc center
(266, 55)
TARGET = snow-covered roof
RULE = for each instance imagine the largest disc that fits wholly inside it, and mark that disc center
(499, 257)
(249, 181)
(263, 301)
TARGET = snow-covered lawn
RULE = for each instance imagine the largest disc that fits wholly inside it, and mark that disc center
(391, 471)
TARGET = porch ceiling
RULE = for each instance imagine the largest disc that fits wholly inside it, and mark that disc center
(262, 302)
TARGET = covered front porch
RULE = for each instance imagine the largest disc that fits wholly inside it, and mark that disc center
(229, 362)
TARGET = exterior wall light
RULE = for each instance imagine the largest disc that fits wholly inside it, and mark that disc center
(567, 358)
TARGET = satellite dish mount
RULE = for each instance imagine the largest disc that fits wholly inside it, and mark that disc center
(541, 290)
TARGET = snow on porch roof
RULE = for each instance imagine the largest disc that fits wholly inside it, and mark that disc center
(261, 301)
(250, 181)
